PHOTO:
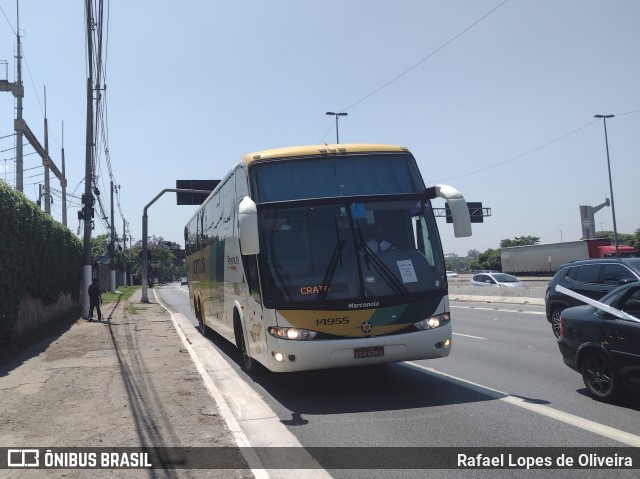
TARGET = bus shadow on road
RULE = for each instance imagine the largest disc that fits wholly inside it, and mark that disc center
(383, 387)
(375, 388)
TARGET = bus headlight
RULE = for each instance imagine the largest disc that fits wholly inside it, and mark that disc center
(295, 334)
(433, 322)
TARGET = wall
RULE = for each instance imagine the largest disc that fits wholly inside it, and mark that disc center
(33, 313)
(40, 259)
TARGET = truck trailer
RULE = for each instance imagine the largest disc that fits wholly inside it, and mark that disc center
(543, 259)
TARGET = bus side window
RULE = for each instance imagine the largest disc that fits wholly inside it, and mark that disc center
(241, 191)
(250, 264)
(422, 241)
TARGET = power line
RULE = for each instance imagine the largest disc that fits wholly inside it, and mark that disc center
(8, 21)
(517, 157)
(13, 158)
(441, 47)
(628, 113)
(33, 176)
(415, 65)
(13, 148)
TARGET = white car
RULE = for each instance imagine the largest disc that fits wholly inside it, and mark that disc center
(496, 279)
(451, 274)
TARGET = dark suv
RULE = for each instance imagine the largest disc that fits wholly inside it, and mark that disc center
(590, 277)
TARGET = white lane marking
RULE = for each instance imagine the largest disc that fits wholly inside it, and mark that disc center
(503, 310)
(177, 286)
(469, 336)
(251, 421)
(585, 424)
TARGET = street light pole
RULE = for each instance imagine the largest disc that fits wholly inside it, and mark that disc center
(613, 208)
(144, 254)
(337, 115)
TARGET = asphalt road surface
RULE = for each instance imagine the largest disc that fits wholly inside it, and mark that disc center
(504, 385)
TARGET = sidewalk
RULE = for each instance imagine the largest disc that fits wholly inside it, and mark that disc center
(125, 382)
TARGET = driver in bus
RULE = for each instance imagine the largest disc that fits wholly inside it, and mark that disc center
(377, 242)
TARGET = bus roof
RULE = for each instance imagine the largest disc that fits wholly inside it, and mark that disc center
(314, 150)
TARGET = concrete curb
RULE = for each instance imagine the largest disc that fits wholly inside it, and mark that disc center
(497, 299)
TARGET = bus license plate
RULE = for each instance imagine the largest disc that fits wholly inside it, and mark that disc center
(370, 352)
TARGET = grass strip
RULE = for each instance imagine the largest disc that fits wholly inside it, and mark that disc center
(123, 293)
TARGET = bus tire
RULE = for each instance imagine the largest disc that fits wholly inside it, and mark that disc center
(200, 317)
(248, 363)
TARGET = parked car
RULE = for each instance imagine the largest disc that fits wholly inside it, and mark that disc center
(496, 279)
(184, 281)
(593, 278)
(451, 274)
(604, 345)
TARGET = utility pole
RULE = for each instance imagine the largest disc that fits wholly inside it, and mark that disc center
(17, 89)
(22, 130)
(125, 265)
(19, 152)
(112, 249)
(88, 196)
(64, 184)
(47, 185)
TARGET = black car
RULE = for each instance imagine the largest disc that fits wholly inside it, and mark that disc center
(603, 347)
(593, 278)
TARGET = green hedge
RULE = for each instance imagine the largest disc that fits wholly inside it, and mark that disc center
(38, 256)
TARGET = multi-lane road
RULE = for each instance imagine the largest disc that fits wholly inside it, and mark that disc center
(504, 385)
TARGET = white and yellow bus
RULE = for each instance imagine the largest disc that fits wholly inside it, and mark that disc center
(319, 257)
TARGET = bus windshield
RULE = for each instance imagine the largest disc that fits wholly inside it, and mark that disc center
(334, 255)
(365, 174)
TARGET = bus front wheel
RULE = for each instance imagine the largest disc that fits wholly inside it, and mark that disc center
(249, 364)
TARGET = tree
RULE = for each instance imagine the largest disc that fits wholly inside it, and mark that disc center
(100, 249)
(452, 262)
(635, 242)
(490, 259)
(166, 263)
(622, 238)
(520, 241)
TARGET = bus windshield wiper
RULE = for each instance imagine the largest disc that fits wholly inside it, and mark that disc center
(331, 270)
(333, 263)
(384, 271)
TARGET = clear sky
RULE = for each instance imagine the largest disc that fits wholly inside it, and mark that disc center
(501, 109)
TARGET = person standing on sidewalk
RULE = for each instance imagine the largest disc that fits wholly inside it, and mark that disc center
(95, 298)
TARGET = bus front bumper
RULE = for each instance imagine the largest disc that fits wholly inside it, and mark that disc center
(288, 355)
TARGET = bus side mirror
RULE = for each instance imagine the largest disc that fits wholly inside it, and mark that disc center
(248, 227)
(459, 209)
